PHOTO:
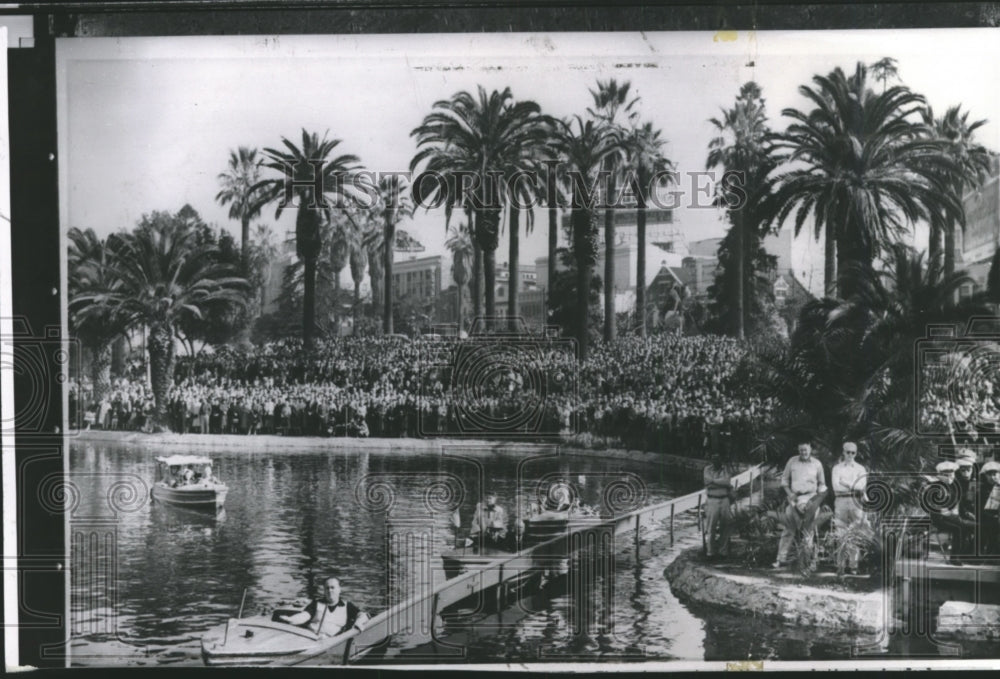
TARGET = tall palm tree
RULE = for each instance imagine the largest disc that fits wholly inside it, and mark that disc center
(885, 69)
(739, 147)
(394, 205)
(617, 111)
(867, 168)
(357, 259)
(263, 251)
(375, 244)
(459, 243)
(971, 163)
(583, 146)
(241, 192)
(339, 252)
(477, 134)
(90, 271)
(646, 159)
(166, 278)
(302, 164)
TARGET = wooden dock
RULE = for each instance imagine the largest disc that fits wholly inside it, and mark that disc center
(421, 610)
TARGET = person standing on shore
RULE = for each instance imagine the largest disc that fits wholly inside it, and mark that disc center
(805, 487)
(719, 491)
(848, 479)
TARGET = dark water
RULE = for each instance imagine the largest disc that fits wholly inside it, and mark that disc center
(149, 580)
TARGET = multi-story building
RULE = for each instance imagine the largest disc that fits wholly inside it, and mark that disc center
(420, 277)
(981, 237)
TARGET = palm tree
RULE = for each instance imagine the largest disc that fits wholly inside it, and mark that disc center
(583, 148)
(339, 251)
(358, 261)
(866, 171)
(616, 112)
(477, 134)
(302, 165)
(647, 160)
(374, 242)
(395, 205)
(740, 148)
(885, 69)
(241, 192)
(971, 163)
(165, 278)
(460, 246)
(88, 262)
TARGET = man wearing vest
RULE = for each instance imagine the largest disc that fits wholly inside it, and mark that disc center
(805, 487)
(849, 480)
(718, 489)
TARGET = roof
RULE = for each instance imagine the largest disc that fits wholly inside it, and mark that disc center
(181, 460)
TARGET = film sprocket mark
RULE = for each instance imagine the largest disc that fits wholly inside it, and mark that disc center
(962, 361)
(498, 383)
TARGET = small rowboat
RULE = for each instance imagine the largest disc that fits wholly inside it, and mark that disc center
(259, 640)
(551, 524)
(206, 495)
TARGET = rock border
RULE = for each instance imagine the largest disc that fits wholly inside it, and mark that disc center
(803, 605)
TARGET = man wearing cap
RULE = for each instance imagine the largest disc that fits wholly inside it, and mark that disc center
(490, 521)
(989, 492)
(848, 479)
(805, 487)
(718, 489)
(945, 516)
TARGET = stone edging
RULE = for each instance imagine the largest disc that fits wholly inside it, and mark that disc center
(801, 605)
(269, 443)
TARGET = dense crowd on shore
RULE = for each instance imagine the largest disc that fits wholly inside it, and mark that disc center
(958, 400)
(667, 392)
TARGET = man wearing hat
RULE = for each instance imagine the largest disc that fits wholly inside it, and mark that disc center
(989, 526)
(719, 490)
(946, 516)
(848, 479)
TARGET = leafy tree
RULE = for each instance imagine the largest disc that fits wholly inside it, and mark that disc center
(564, 300)
(755, 288)
(740, 149)
(394, 205)
(459, 243)
(166, 278)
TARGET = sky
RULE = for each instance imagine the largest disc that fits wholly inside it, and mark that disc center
(148, 123)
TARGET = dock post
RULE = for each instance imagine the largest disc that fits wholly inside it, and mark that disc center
(671, 524)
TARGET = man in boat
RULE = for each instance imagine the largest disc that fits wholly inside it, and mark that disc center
(989, 496)
(849, 480)
(946, 496)
(490, 520)
(719, 489)
(804, 483)
(331, 616)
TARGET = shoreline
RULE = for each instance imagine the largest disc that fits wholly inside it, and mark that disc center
(437, 446)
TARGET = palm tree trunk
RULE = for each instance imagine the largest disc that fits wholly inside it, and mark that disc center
(610, 326)
(514, 281)
(336, 302)
(640, 269)
(245, 243)
(553, 244)
(357, 306)
(100, 369)
(949, 251)
(583, 303)
(740, 316)
(584, 225)
(487, 230)
(489, 286)
(830, 261)
(160, 345)
(459, 314)
(390, 239)
(934, 243)
(308, 303)
(477, 280)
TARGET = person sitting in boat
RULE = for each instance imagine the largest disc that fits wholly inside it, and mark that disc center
(331, 616)
(187, 476)
(207, 477)
(175, 476)
(490, 520)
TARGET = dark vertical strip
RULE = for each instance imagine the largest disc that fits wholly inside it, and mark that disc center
(36, 286)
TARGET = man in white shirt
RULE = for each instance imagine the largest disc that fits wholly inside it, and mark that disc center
(848, 479)
(805, 487)
(330, 617)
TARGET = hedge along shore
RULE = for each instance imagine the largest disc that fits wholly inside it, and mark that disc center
(266, 443)
(794, 603)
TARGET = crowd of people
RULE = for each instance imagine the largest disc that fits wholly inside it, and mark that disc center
(667, 392)
(956, 398)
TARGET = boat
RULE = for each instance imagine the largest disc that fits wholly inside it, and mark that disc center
(549, 524)
(260, 640)
(204, 495)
